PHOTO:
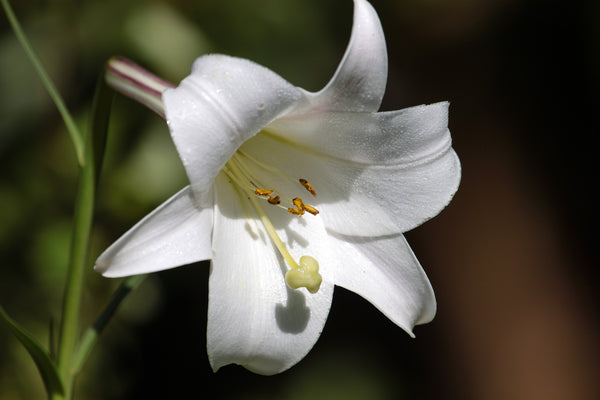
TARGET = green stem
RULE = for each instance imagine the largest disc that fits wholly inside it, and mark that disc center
(91, 335)
(76, 137)
(79, 248)
(83, 216)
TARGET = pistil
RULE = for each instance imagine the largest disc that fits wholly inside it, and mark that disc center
(302, 274)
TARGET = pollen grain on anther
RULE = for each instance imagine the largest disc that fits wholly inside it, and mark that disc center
(274, 200)
(263, 192)
(295, 211)
(310, 209)
(299, 210)
(308, 186)
(298, 203)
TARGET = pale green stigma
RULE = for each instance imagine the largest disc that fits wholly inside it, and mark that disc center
(305, 275)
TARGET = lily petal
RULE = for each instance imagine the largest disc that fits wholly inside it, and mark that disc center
(386, 272)
(224, 102)
(375, 173)
(360, 79)
(254, 319)
(404, 137)
(174, 234)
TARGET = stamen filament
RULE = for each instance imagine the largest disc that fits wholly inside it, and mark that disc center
(273, 200)
(255, 180)
(273, 234)
(234, 173)
(264, 166)
(304, 275)
(245, 172)
(227, 169)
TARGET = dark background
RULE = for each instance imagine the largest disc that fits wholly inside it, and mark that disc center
(512, 259)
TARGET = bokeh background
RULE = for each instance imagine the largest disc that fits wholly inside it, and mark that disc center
(513, 258)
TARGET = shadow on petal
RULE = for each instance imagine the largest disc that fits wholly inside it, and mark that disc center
(255, 234)
(294, 238)
(293, 317)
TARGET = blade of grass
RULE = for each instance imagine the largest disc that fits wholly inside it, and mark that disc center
(40, 356)
(76, 137)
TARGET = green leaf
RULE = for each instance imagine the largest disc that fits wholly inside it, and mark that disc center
(38, 354)
(91, 335)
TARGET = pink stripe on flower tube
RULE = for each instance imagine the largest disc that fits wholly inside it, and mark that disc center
(133, 81)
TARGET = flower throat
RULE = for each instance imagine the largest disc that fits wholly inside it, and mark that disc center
(304, 273)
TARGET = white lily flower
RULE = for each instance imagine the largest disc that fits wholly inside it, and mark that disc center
(252, 144)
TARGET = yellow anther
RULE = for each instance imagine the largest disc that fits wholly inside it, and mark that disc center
(299, 210)
(294, 211)
(307, 186)
(274, 200)
(305, 275)
(298, 203)
(310, 209)
(263, 192)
